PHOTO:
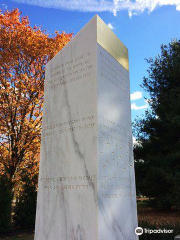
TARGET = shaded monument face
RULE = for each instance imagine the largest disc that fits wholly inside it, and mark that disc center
(86, 182)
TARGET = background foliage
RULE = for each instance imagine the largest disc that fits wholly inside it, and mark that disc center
(5, 204)
(24, 52)
(25, 208)
(157, 153)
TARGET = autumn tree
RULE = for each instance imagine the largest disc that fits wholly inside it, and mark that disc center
(24, 52)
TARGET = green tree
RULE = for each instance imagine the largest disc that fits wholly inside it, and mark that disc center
(25, 208)
(5, 204)
(157, 155)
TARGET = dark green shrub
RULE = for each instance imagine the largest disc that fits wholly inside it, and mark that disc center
(5, 204)
(25, 207)
(157, 156)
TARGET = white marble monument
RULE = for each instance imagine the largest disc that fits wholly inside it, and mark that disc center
(86, 182)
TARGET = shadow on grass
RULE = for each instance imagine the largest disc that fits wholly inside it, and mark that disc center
(18, 234)
(19, 237)
(159, 236)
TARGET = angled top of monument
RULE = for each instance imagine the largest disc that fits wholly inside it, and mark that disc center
(107, 39)
(110, 42)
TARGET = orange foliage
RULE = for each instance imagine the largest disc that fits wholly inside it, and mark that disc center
(24, 51)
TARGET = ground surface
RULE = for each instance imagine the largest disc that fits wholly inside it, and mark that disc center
(153, 216)
(145, 214)
(19, 237)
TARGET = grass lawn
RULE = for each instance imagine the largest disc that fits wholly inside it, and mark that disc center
(148, 217)
(19, 237)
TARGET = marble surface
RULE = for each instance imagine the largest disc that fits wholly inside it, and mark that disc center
(116, 182)
(86, 187)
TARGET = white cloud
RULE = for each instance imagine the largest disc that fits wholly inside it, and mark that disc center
(4, 6)
(136, 95)
(110, 26)
(178, 8)
(135, 142)
(73, 5)
(135, 107)
(133, 7)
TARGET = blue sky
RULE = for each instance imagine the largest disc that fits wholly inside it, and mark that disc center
(142, 25)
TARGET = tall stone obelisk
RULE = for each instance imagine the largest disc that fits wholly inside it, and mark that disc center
(86, 181)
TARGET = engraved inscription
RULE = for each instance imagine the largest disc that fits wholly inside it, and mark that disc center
(118, 140)
(114, 177)
(113, 186)
(68, 182)
(119, 195)
(69, 126)
(113, 74)
(70, 71)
